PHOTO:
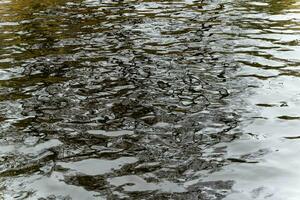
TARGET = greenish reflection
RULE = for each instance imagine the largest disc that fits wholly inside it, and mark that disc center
(278, 6)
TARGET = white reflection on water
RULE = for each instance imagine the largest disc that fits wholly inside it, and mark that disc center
(98, 166)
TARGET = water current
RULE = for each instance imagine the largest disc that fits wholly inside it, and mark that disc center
(104, 99)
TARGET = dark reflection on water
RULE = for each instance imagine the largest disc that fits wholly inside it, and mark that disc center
(147, 99)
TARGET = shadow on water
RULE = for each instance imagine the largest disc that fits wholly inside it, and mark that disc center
(132, 100)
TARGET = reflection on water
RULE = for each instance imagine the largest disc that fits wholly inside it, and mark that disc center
(152, 99)
(268, 54)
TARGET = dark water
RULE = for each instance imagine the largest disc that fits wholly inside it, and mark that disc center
(149, 99)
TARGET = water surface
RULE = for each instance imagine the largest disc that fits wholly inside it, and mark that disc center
(149, 99)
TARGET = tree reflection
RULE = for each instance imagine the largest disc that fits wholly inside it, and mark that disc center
(35, 24)
(277, 6)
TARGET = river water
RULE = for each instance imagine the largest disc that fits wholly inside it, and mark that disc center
(149, 99)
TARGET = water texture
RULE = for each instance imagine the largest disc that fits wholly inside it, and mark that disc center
(149, 99)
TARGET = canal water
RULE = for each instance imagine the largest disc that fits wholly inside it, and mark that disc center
(131, 99)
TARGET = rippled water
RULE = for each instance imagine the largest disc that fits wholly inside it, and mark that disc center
(149, 99)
